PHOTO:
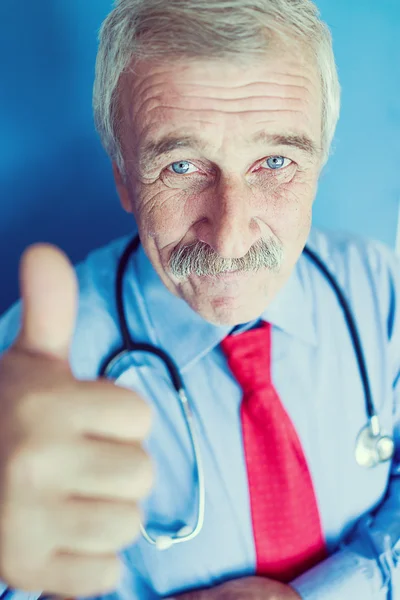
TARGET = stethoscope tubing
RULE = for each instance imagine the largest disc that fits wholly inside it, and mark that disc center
(354, 333)
(129, 345)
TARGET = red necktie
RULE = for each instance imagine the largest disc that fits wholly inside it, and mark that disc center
(286, 522)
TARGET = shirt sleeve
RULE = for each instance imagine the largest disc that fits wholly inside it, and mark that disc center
(9, 327)
(7, 594)
(367, 563)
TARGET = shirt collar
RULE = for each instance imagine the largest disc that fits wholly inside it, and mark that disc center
(187, 337)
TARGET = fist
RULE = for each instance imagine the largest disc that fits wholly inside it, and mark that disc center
(72, 467)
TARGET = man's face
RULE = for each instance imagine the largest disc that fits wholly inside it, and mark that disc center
(222, 162)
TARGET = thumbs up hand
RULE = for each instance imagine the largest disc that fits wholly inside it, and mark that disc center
(72, 468)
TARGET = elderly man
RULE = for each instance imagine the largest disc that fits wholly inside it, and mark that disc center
(266, 468)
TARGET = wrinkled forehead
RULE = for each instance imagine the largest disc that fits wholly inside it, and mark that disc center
(279, 89)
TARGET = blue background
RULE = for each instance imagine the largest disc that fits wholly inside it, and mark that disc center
(56, 182)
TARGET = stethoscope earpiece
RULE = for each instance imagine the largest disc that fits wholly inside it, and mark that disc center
(373, 448)
(385, 448)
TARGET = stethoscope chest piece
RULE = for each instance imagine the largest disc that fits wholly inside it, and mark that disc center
(372, 447)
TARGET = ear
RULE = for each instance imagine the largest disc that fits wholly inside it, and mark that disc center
(122, 189)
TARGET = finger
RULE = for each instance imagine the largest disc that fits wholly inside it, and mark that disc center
(76, 575)
(49, 295)
(94, 527)
(91, 469)
(109, 411)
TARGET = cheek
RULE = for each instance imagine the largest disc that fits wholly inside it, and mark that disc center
(289, 208)
(163, 214)
(166, 214)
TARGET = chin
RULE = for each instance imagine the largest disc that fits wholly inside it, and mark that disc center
(222, 314)
(229, 299)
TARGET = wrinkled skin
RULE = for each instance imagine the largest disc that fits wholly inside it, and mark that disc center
(229, 197)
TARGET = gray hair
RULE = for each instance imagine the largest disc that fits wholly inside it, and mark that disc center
(207, 29)
(201, 259)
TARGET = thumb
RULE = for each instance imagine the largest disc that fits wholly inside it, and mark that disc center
(49, 294)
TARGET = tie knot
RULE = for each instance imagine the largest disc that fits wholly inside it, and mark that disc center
(249, 357)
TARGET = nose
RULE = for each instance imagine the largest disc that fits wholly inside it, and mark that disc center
(229, 225)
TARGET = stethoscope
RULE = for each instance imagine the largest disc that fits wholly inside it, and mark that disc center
(372, 446)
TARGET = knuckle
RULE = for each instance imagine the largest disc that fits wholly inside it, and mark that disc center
(100, 576)
(35, 405)
(141, 412)
(125, 527)
(74, 575)
(145, 474)
(67, 583)
(22, 570)
(27, 465)
(147, 418)
(83, 524)
(46, 408)
(28, 405)
(73, 403)
(109, 575)
(35, 401)
(104, 527)
(124, 521)
(133, 521)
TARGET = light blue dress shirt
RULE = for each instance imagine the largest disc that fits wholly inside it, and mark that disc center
(316, 375)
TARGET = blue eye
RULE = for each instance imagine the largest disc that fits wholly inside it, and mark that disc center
(276, 162)
(182, 167)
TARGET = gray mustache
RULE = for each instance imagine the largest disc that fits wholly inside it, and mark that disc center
(200, 259)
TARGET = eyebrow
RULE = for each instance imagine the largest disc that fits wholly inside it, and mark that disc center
(301, 142)
(154, 150)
